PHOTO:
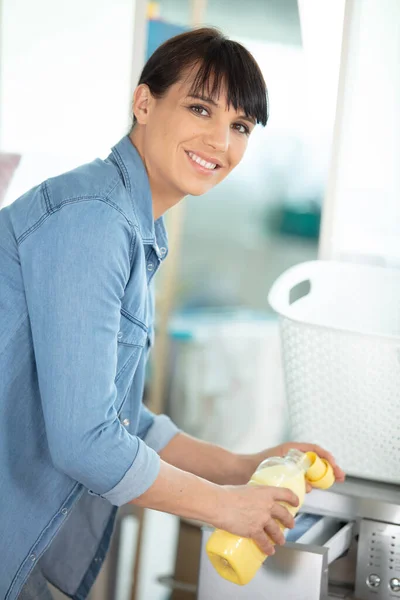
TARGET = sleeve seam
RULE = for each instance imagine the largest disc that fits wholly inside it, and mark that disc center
(44, 217)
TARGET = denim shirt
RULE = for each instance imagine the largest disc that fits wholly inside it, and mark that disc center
(77, 257)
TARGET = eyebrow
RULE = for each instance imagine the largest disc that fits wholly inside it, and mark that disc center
(211, 101)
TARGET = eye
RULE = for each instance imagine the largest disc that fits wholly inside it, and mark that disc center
(240, 128)
(198, 109)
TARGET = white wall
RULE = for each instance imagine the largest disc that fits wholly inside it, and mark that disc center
(362, 207)
(321, 23)
(65, 75)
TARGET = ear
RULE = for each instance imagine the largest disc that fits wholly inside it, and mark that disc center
(142, 100)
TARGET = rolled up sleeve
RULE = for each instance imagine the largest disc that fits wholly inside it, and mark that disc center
(156, 430)
(139, 477)
(75, 266)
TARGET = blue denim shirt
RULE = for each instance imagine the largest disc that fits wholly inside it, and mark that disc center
(77, 256)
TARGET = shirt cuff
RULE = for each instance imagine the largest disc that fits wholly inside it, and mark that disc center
(140, 476)
(161, 432)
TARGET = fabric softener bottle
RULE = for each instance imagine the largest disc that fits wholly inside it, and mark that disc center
(238, 559)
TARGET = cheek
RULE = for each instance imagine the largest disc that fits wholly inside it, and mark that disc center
(237, 150)
(174, 136)
(162, 145)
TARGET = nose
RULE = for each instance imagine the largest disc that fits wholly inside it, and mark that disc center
(218, 137)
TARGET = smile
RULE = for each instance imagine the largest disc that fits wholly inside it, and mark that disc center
(201, 162)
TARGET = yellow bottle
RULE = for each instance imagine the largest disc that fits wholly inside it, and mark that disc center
(238, 559)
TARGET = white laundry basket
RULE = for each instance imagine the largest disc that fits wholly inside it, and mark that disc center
(340, 331)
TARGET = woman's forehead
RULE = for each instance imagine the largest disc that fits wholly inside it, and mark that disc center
(190, 86)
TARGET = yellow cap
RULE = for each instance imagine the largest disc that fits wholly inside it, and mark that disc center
(320, 473)
(317, 468)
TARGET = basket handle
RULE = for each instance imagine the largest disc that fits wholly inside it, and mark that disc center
(293, 284)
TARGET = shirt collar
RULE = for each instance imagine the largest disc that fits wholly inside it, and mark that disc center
(137, 183)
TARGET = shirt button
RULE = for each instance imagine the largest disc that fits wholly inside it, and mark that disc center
(64, 511)
(120, 334)
(163, 251)
(125, 422)
(150, 267)
(33, 557)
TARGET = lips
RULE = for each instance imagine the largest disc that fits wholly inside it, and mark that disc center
(206, 162)
(207, 165)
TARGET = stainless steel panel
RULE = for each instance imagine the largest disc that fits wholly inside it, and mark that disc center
(378, 561)
(357, 498)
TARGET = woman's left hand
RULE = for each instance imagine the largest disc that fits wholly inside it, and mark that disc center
(283, 449)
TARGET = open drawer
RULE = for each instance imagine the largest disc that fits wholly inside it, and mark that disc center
(332, 534)
(298, 570)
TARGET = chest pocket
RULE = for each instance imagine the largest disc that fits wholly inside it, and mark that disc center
(131, 341)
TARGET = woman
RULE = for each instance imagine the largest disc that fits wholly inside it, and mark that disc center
(78, 254)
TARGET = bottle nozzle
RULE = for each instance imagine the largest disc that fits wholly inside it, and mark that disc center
(300, 458)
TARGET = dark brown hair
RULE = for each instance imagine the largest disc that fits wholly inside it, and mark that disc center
(219, 61)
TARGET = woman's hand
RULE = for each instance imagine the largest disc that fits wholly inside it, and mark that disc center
(283, 449)
(247, 464)
(252, 511)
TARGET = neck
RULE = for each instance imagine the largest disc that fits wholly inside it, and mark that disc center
(162, 198)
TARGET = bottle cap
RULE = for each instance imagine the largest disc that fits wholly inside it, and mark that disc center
(317, 469)
(320, 473)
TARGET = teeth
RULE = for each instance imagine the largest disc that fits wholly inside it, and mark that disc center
(202, 162)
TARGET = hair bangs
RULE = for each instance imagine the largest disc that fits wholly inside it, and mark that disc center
(230, 68)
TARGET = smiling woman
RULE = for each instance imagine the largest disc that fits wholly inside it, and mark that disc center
(199, 97)
(77, 257)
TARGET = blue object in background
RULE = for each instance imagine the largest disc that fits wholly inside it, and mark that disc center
(158, 32)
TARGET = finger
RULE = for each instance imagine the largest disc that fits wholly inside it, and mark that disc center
(264, 543)
(285, 495)
(273, 530)
(338, 472)
(308, 487)
(322, 453)
(283, 515)
(340, 475)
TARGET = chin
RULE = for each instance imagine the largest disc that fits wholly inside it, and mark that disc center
(198, 188)
(196, 192)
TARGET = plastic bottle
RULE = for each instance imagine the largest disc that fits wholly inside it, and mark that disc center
(238, 559)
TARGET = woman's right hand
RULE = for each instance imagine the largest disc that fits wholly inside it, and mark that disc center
(252, 511)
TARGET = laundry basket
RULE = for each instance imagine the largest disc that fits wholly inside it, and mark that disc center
(340, 332)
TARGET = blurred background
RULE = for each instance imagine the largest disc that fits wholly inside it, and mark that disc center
(67, 74)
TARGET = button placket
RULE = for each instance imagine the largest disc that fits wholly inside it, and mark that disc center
(161, 252)
(153, 261)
